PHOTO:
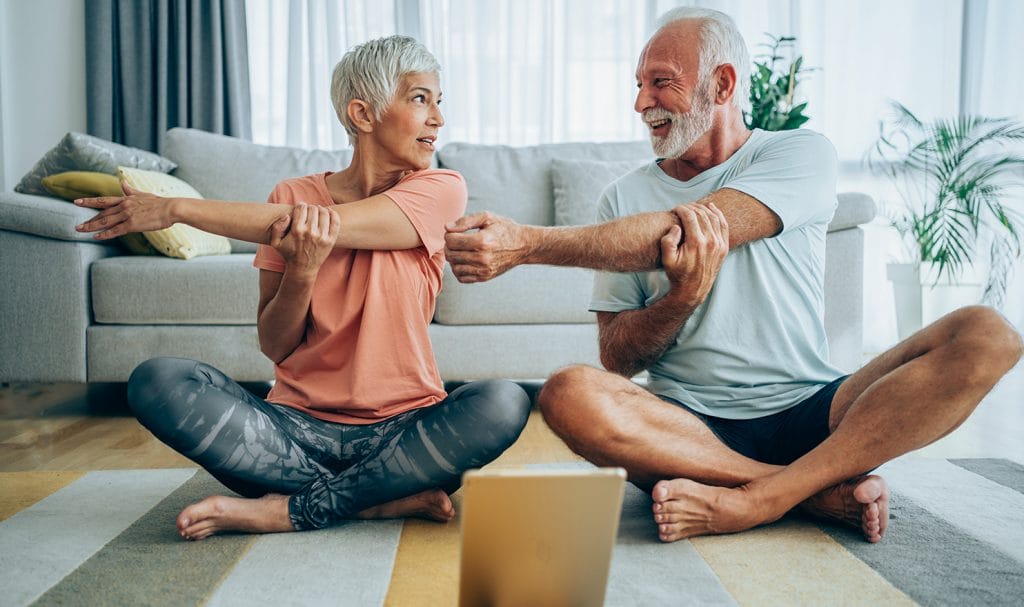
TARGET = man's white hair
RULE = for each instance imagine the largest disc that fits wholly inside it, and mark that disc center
(371, 72)
(721, 42)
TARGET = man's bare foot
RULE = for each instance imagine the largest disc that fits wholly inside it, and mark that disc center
(268, 514)
(432, 504)
(684, 508)
(862, 502)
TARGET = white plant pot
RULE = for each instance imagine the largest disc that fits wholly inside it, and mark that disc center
(922, 298)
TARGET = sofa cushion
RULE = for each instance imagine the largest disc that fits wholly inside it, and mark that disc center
(523, 295)
(221, 290)
(516, 182)
(179, 240)
(228, 168)
(80, 152)
(578, 185)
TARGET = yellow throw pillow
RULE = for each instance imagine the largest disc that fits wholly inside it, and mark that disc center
(180, 240)
(82, 184)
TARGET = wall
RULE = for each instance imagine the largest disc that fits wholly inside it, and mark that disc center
(42, 80)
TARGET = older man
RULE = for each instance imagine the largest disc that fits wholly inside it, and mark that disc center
(743, 418)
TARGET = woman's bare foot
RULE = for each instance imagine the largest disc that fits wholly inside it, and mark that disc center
(217, 513)
(432, 504)
(862, 502)
(684, 508)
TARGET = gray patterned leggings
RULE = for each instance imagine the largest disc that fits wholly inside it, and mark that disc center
(330, 471)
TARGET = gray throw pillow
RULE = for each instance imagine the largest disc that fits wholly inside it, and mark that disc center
(578, 185)
(81, 152)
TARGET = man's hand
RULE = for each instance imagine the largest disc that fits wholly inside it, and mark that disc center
(306, 237)
(133, 212)
(692, 265)
(497, 246)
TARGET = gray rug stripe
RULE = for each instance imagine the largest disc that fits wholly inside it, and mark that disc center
(149, 563)
(1003, 471)
(347, 565)
(43, 543)
(966, 500)
(935, 562)
(645, 571)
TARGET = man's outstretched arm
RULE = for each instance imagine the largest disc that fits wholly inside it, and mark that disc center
(627, 244)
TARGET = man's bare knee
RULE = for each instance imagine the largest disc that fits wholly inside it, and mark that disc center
(564, 390)
(989, 343)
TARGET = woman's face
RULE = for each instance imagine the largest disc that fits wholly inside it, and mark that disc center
(408, 127)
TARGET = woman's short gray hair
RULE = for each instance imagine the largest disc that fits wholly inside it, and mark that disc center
(371, 72)
(721, 42)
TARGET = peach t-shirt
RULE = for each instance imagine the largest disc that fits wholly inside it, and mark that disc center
(366, 355)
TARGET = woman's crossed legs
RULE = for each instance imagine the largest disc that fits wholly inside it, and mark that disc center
(308, 473)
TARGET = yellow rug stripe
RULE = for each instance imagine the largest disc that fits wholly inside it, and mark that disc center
(426, 570)
(794, 563)
(19, 490)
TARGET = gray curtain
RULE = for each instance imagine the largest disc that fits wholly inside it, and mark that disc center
(156, 64)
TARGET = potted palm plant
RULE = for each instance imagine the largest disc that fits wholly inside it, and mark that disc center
(956, 177)
(773, 87)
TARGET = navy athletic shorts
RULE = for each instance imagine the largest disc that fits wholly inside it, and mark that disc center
(780, 438)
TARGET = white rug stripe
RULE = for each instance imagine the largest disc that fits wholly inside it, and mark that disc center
(346, 565)
(646, 571)
(75, 521)
(964, 499)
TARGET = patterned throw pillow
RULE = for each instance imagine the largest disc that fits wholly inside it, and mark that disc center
(180, 240)
(578, 185)
(80, 152)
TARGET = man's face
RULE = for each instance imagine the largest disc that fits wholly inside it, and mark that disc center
(673, 102)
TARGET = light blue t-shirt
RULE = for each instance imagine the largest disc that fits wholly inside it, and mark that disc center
(757, 344)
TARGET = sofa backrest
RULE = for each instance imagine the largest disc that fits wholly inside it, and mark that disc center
(516, 181)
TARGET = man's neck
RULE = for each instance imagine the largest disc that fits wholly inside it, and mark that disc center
(712, 149)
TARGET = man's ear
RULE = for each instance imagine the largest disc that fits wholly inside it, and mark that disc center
(725, 83)
(361, 115)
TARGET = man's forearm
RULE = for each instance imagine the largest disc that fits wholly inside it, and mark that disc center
(634, 340)
(629, 244)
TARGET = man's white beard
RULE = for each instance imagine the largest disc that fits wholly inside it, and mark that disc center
(686, 128)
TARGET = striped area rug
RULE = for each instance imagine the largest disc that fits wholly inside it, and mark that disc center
(107, 538)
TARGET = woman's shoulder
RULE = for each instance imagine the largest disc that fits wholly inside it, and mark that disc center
(434, 181)
(434, 176)
(306, 186)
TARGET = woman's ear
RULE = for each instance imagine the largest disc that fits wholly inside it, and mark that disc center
(361, 115)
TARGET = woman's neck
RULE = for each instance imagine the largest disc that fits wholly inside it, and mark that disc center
(364, 177)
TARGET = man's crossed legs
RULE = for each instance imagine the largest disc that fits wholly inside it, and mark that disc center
(908, 397)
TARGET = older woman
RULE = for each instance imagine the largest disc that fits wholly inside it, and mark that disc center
(358, 423)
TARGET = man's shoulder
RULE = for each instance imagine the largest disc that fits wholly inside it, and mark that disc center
(795, 139)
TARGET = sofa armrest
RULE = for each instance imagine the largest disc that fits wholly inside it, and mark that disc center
(42, 216)
(854, 209)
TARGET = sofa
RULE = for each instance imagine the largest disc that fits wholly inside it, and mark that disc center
(78, 310)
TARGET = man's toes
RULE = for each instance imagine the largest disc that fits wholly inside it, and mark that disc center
(670, 532)
(667, 517)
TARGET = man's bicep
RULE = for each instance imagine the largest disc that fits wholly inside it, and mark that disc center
(748, 218)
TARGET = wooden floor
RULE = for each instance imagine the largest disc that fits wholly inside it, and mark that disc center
(66, 427)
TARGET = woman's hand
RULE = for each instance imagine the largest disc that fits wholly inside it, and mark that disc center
(306, 237)
(133, 212)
